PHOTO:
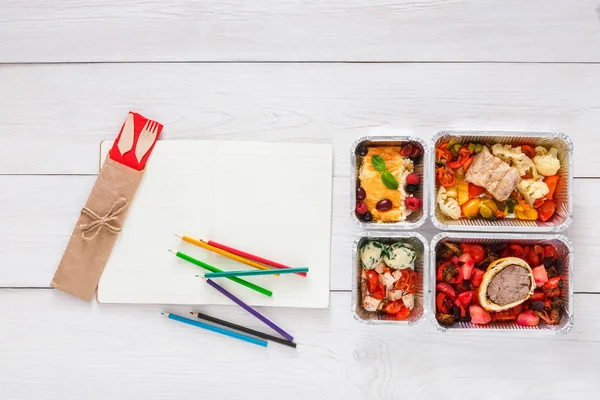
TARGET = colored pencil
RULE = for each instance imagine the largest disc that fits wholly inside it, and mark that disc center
(214, 269)
(249, 256)
(227, 274)
(216, 329)
(244, 329)
(224, 253)
(251, 310)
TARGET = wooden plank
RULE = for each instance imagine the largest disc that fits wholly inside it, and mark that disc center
(65, 348)
(329, 30)
(54, 116)
(38, 214)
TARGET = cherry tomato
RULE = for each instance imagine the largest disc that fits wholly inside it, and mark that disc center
(550, 252)
(538, 295)
(445, 288)
(546, 210)
(535, 256)
(475, 190)
(439, 302)
(403, 314)
(517, 251)
(552, 283)
(477, 252)
(446, 177)
(412, 282)
(372, 280)
(528, 150)
(463, 157)
(379, 292)
(393, 307)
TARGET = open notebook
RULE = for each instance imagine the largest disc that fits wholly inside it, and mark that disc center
(269, 199)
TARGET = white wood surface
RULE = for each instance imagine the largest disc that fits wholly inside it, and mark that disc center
(71, 70)
(54, 347)
(302, 30)
(56, 115)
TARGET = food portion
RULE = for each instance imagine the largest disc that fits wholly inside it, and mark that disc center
(476, 180)
(506, 283)
(387, 183)
(388, 280)
(497, 283)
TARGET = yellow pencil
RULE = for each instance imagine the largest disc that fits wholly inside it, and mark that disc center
(224, 253)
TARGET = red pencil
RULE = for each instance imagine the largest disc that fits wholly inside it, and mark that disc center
(250, 256)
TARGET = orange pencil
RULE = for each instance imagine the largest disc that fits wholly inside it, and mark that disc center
(224, 253)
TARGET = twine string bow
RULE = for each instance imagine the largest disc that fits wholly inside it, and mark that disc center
(90, 230)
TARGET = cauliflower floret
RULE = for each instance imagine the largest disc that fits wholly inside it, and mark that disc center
(546, 162)
(532, 190)
(516, 157)
(448, 206)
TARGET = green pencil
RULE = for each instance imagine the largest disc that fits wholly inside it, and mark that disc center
(201, 264)
(252, 272)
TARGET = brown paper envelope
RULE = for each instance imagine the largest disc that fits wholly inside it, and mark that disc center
(90, 246)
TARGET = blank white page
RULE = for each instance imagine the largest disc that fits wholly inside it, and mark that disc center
(269, 199)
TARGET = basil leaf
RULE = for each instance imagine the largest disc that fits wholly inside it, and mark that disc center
(389, 180)
(378, 163)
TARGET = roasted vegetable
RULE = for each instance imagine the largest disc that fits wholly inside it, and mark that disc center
(471, 208)
(546, 162)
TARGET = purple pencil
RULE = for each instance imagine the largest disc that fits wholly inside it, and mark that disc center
(251, 310)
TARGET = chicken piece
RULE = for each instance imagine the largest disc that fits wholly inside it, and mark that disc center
(394, 294)
(409, 300)
(397, 274)
(387, 280)
(371, 303)
(493, 174)
(379, 268)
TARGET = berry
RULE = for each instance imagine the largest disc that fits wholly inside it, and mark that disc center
(362, 151)
(412, 203)
(413, 179)
(406, 150)
(412, 188)
(361, 208)
(384, 205)
(415, 153)
(360, 193)
(367, 217)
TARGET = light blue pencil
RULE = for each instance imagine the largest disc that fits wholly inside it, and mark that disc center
(252, 272)
(216, 329)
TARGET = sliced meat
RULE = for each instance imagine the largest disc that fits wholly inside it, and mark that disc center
(371, 303)
(493, 174)
(394, 294)
(409, 300)
(387, 280)
(509, 285)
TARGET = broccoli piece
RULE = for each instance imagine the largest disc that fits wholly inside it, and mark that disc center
(449, 272)
(445, 319)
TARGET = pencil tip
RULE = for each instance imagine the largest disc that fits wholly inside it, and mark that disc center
(162, 313)
(170, 251)
(178, 235)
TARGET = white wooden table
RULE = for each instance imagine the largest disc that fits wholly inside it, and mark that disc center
(314, 71)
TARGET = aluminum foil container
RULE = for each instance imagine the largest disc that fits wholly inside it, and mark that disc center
(419, 243)
(565, 259)
(416, 218)
(562, 196)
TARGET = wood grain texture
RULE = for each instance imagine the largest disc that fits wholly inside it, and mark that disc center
(63, 348)
(38, 213)
(54, 116)
(329, 30)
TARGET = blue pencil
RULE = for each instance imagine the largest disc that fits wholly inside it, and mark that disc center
(216, 329)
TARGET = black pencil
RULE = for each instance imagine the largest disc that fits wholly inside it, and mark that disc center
(244, 329)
